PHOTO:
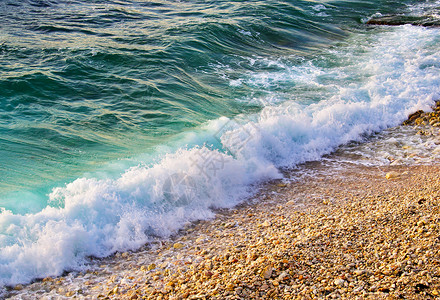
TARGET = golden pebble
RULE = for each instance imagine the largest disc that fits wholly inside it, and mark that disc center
(178, 246)
(266, 223)
(70, 293)
(392, 175)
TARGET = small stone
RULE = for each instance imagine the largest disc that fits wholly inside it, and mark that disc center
(373, 288)
(359, 272)
(70, 293)
(151, 267)
(18, 287)
(339, 282)
(282, 276)
(435, 292)
(433, 121)
(266, 224)
(267, 272)
(358, 289)
(35, 287)
(392, 175)
(178, 246)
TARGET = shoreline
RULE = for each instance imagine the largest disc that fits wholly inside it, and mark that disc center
(351, 233)
(330, 230)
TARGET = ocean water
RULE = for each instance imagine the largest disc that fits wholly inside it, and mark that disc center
(121, 121)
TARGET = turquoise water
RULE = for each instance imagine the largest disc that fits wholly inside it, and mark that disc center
(87, 82)
(109, 109)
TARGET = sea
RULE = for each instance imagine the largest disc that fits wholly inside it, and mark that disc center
(122, 121)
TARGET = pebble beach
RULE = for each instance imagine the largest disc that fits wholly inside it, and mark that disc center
(332, 232)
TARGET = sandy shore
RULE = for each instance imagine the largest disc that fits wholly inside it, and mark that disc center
(335, 230)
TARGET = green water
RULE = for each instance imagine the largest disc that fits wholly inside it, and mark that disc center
(84, 83)
(108, 107)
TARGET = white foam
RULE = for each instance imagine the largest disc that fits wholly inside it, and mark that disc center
(364, 87)
(319, 10)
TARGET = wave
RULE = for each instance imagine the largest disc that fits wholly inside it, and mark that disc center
(366, 85)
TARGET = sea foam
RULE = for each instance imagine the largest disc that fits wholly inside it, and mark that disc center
(371, 83)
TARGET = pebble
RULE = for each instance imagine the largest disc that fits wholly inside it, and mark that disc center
(266, 224)
(339, 282)
(70, 294)
(178, 246)
(392, 175)
(359, 272)
(267, 272)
